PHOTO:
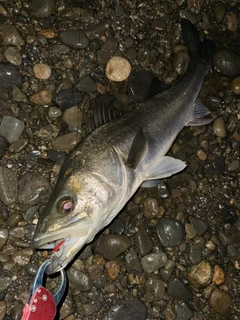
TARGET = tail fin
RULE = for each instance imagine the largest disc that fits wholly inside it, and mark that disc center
(199, 50)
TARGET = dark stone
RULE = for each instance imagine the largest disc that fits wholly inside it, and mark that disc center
(9, 76)
(67, 98)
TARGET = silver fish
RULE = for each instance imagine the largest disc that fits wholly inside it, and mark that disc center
(104, 171)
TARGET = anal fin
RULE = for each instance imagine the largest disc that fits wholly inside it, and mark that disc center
(199, 112)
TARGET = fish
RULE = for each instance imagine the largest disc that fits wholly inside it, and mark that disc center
(104, 171)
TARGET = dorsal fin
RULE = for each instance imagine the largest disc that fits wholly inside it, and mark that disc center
(137, 150)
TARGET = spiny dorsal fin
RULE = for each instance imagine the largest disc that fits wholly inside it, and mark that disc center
(137, 150)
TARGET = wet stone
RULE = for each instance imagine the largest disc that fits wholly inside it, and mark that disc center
(8, 186)
(3, 238)
(73, 117)
(13, 219)
(195, 252)
(9, 76)
(95, 271)
(110, 246)
(18, 95)
(190, 231)
(42, 9)
(183, 311)
(118, 69)
(150, 208)
(54, 112)
(155, 289)
(132, 263)
(178, 290)
(162, 190)
(166, 274)
(132, 309)
(200, 275)
(48, 132)
(42, 71)
(218, 275)
(31, 269)
(232, 21)
(235, 85)
(107, 50)
(112, 269)
(3, 146)
(33, 189)
(79, 280)
(220, 301)
(18, 145)
(60, 49)
(199, 225)
(170, 232)
(67, 98)
(180, 63)
(159, 24)
(117, 226)
(220, 11)
(67, 141)
(22, 257)
(227, 62)
(42, 97)
(86, 84)
(13, 56)
(153, 261)
(76, 39)
(17, 232)
(11, 128)
(219, 128)
(86, 253)
(3, 309)
(11, 36)
(143, 242)
(85, 309)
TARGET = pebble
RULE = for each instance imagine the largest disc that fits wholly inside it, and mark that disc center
(199, 225)
(155, 289)
(18, 145)
(17, 311)
(76, 39)
(159, 24)
(118, 69)
(11, 128)
(232, 21)
(227, 62)
(219, 128)
(117, 226)
(132, 263)
(200, 275)
(11, 36)
(180, 62)
(3, 146)
(3, 238)
(235, 85)
(195, 252)
(190, 231)
(42, 97)
(220, 11)
(150, 208)
(67, 98)
(54, 112)
(9, 76)
(178, 290)
(220, 301)
(108, 49)
(130, 309)
(86, 84)
(170, 232)
(112, 269)
(183, 311)
(3, 309)
(13, 56)
(67, 141)
(34, 188)
(143, 242)
(73, 117)
(79, 280)
(201, 155)
(18, 95)
(95, 271)
(13, 219)
(8, 185)
(42, 71)
(218, 275)
(153, 261)
(17, 232)
(42, 9)
(22, 257)
(48, 132)
(110, 246)
(60, 49)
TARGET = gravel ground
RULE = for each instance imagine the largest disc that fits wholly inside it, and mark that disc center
(173, 252)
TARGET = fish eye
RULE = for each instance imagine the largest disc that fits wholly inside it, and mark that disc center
(66, 205)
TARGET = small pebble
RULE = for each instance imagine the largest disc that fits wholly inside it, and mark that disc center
(8, 185)
(73, 117)
(18, 145)
(79, 280)
(43, 8)
(153, 261)
(11, 128)
(201, 155)
(183, 311)
(42, 97)
(76, 39)
(67, 141)
(227, 62)
(48, 132)
(54, 112)
(232, 21)
(199, 225)
(220, 301)
(112, 269)
(67, 98)
(235, 85)
(86, 84)
(218, 275)
(171, 233)
(11, 36)
(42, 71)
(118, 69)
(150, 208)
(3, 146)
(132, 263)
(13, 56)
(219, 128)
(178, 290)
(200, 275)
(108, 49)
(155, 289)
(9, 76)
(22, 257)
(3, 237)
(143, 242)
(95, 271)
(190, 231)
(18, 95)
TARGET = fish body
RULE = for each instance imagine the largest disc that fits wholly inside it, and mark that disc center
(104, 171)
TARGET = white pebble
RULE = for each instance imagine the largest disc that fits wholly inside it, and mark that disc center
(118, 69)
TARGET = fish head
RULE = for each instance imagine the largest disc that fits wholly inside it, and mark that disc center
(74, 214)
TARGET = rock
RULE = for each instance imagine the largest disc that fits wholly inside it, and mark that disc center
(13, 56)
(18, 95)
(183, 311)
(33, 189)
(79, 280)
(22, 257)
(54, 112)
(17, 232)
(18, 145)
(110, 246)
(153, 261)
(108, 48)
(180, 63)
(48, 132)
(42, 9)
(67, 141)
(159, 24)
(178, 290)
(235, 85)
(117, 226)
(199, 225)
(219, 128)
(132, 263)
(3, 309)
(76, 39)
(232, 21)
(3, 238)
(201, 155)
(150, 208)
(13, 219)
(42, 97)
(143, 242)
(227, 62)
(9, 76)
(112, 269)
(171, 233)
(86, 84)
(118, 69)
(42, 71)
(11, 36)
(190, 231)
(95, 271)
(218, 275)
(155, 289)
(67, 98)
(73, 117)
(200, 275)
(220, 301)
(220, 10)
(8, 186)
(11, 128)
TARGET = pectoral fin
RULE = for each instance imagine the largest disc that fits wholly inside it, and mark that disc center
(164, 168)
(199, 111)
(137, 150)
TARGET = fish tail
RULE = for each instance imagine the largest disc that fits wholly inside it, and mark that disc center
(199, 50)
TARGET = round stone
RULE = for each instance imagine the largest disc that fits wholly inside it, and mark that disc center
(118, 69)
(219, 128)
(42, 97)
(200, 275)
(220, 301)
(235, 85)
(13, 56)
(218, 275)
(42, 71)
